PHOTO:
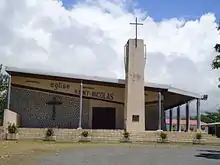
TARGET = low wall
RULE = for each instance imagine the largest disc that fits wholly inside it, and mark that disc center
(111, 135)
(152, 136)
(71, 134)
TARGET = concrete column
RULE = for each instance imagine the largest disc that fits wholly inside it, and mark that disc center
(164, 120)
(187, 117)
(198, 114)
(159, 111)
(171, 119)
(178, 119)
(163, 116)
(9, 92)
(134, 86)
(80, 106)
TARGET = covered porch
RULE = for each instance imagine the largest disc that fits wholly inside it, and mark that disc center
(179, 99)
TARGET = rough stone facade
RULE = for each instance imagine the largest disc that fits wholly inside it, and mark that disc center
(36, 113)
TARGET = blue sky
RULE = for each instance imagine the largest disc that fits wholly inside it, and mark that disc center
(165, 9)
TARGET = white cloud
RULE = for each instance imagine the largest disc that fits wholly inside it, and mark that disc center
(89, 38)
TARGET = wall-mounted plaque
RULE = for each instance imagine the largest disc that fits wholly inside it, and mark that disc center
(135, 118)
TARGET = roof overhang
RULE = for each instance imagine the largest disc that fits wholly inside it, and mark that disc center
(213, 124)
(175, 97)
(172, 96)
(91, 79)
(183, 92)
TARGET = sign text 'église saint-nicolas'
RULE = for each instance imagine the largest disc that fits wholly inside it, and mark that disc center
(87, 93)
(95, 94)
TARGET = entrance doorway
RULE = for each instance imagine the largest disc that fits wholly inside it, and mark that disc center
(103, 118)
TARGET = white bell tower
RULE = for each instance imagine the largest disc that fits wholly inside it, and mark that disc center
(134, 107)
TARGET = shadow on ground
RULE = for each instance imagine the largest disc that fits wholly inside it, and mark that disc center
(209, 154)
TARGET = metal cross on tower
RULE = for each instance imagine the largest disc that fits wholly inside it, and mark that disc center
(136, 24)
(54, 102)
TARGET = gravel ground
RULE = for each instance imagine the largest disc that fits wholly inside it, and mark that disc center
(134, 155)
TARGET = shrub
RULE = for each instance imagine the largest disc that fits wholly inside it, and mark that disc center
(126, 134)
(85, 133)
(49, 132)
(198, 136)
(12, 129)
(197, 139)
(163, 135)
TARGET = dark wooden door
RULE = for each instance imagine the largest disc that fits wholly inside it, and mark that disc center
(103, 118)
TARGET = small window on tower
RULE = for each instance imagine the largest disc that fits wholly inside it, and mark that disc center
(135, 118)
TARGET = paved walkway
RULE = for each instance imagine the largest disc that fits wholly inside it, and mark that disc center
(135, 155)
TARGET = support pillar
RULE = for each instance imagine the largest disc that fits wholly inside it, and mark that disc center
(198, 114)
(187, 117)
(80, 106)
(171, 119)
(178, 119)
(159, 111)
(164, 119)
(9, 92)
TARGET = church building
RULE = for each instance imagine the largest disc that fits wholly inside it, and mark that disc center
(33, 94)
(48, 99)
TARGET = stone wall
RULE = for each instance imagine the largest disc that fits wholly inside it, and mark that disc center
(74, 135)
(35, 113)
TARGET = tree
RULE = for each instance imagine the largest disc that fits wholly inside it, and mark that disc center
(207, 117)
(211, 117)
(3, 90)
(216, 60)
(191, 118)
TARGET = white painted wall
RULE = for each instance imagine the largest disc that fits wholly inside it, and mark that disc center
(10, 117)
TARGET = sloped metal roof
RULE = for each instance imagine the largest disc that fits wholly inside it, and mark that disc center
(100, 79)
(211, 124)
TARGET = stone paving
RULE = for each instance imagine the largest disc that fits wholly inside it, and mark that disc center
(134, 155)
